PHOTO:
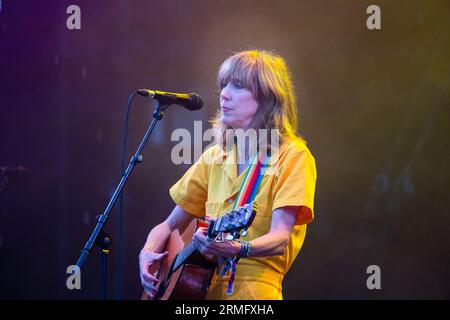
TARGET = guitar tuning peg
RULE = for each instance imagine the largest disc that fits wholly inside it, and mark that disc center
(230, 237)
(244, 233)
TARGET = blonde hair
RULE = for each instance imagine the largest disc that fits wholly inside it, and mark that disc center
(267, 76)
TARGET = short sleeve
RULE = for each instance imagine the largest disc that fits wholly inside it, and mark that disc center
(191, 191)
(295, 185)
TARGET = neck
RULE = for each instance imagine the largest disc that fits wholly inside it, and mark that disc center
(242, 153)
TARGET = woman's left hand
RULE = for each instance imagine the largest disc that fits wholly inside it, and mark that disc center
(218, 249)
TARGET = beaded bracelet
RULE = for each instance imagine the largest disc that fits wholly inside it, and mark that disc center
(248, 248)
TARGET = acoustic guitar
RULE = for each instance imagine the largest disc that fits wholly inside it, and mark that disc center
(186, 274)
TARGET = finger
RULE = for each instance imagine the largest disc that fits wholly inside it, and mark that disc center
(202, 229)
(198, 244)
(159, 256)
(151, 294)
(197, 237)
(149, 283)
(154, 258)
(150, 290)
(164, 254)
(149, 277)
(200, 234)
(203, 240)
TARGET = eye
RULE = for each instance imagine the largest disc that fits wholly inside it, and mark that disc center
(222, 85)
(238, 85)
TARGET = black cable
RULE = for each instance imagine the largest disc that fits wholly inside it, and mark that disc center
(121, 211)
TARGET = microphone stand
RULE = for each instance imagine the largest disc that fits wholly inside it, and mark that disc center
(100, 237)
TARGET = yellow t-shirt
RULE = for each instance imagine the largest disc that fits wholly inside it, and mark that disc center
(210, 187)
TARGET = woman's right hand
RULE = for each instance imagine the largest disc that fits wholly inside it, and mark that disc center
(146, 260)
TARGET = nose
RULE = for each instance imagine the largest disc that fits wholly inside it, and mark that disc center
(225, 93)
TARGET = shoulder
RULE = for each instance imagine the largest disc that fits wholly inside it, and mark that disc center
(212, 155)
(294, 148)
(294, 163)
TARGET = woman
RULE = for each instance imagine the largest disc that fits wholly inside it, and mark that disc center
(256, 92)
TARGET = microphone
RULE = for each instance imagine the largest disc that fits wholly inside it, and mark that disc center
(190, 101)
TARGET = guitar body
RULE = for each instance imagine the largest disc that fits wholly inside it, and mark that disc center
(186, 274)
(191, 280)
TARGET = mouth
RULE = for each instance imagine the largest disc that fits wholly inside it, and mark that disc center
(224, 109)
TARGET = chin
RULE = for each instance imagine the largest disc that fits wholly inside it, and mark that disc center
(226, 121)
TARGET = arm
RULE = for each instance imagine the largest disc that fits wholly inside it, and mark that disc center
(158, 236)
(271, 244)
(274, 242)
(156, 241)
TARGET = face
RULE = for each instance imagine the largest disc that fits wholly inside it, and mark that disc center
(237, 105)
